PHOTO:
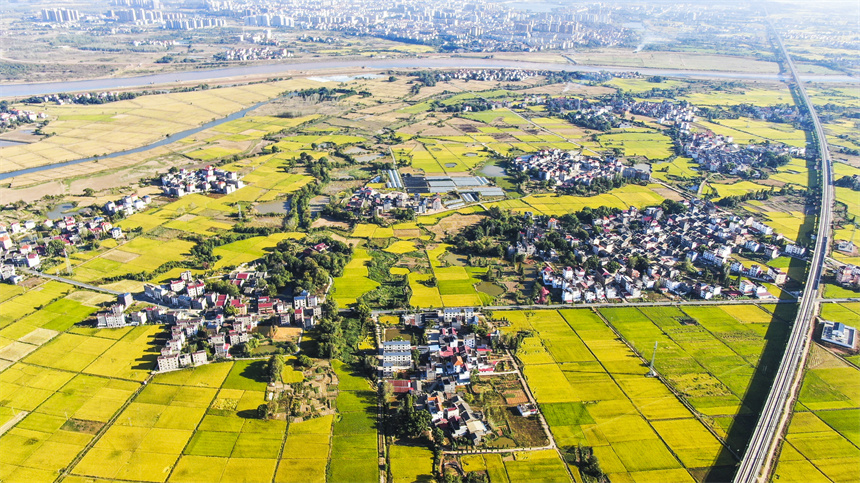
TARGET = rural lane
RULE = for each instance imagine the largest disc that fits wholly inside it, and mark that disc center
(625, 304)
(69, 281)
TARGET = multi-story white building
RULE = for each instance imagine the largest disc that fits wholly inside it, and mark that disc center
(112, 318)
(168, 363)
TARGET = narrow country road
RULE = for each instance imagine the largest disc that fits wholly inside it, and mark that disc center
(69, 281)
(626, 304)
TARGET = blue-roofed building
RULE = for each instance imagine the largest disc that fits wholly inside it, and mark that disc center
(839, 334)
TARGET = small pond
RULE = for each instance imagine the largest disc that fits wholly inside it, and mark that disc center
(490, 289)
(492, 170)
(64, 209)
(274, 208)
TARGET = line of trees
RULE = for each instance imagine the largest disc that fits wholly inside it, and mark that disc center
(92, 98)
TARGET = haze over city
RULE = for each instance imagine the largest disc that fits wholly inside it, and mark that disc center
(460, 242)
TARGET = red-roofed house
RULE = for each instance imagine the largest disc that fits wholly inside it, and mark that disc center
(241, 309)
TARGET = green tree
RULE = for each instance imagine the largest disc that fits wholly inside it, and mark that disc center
(304, 361)
(475, 477)
(438, 436)
(263, 411)
(410, 422)
(224, 287)
(452, 477)
(55, 248)
(276, 368)
(418, 423)
(363, 312)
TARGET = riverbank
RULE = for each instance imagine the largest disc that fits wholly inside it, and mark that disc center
(246, 73)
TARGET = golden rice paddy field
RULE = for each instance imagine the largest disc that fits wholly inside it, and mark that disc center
(74, 399)
(549, 204)
(823, 441)
(62, 382)
(593, 391)
(83, 409)
(94, 130)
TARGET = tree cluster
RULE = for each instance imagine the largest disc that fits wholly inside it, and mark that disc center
(852, 182)
(293, 263)
(300, 207)
(732, 201)
(491, 236)
(475, 105)
(409, 422)
(583, 458)
(275, 368)
(602, 122)
(323, 93)
(338, 336)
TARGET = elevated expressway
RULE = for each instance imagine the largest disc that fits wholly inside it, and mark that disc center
(758, 458)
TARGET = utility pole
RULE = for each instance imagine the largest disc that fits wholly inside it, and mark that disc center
(651, 371)
(240, 211)
(68, 265)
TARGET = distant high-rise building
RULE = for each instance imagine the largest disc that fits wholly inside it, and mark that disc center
(60, 15)
(152, 4)
(194, 23)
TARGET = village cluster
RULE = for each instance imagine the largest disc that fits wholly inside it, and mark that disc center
(80, 98)
(664, 241)
(367, 200)
(208, 179)
(128, 205)
(187, 308)
(191, 294)
(257, 53)
(719, 154)
(713, 152)
(28, 252)
(568, 168)
(73, 230)
(506, 75)
(10, 117)
(612, 113)
(453, 353)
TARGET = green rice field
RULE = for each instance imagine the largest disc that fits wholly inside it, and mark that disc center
(823, 441)
(651, 145)
(550, 204)
(354, 448)
(354, 282)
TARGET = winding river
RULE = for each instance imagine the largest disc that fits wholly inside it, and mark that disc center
(30, 89)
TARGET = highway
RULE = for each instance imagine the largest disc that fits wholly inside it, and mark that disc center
(758, 458)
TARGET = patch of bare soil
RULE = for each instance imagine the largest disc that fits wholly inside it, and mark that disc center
(504, 137)
(82, 426)
(336, 187)
(669, 194)
(327, 223)
(282, 334)
(453, 224)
